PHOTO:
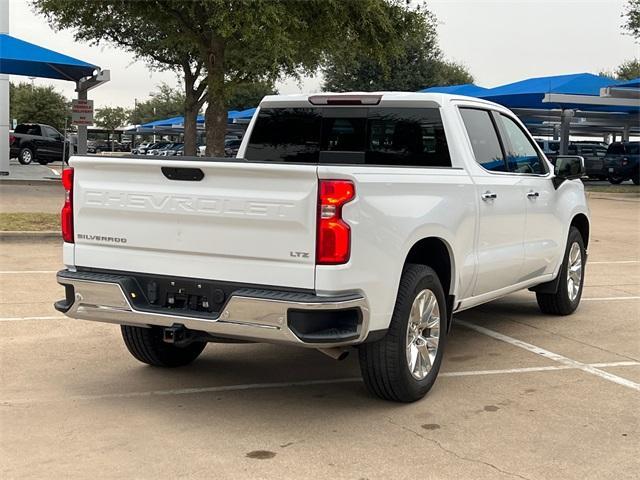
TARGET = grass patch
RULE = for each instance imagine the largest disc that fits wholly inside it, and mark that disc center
(29, 222)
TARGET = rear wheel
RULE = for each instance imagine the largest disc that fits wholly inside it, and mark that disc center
(26, 156)
(616, 180)
(403, 365)
(147, 345)
(567, 298)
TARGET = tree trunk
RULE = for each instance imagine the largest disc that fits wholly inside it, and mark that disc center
(190, 113)
(216, 113)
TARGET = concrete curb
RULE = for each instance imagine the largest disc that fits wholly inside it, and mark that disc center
(620, 197)
(22, 181)
(30, 235)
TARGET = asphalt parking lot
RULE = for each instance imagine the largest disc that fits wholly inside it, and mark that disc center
(520, 395)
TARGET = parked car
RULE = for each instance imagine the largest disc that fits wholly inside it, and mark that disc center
(551, 148)
(99, 146)
(37, 142)
(172, 150)
(231, 147)
(157, 147)
(141, 149)
(622, 161)
(232, 143)
(355, 220)
(593, 154)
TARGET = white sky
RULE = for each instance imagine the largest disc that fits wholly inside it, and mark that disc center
(500, 41)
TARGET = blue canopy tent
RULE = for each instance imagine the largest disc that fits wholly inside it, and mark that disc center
(468, 89)
(18, 57)
(178, 122)
(633, 83)
(533, 93)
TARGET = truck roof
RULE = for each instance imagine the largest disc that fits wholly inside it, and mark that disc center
(389, 99)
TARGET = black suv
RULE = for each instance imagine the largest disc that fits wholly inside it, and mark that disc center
(621, 162)
(593, 154)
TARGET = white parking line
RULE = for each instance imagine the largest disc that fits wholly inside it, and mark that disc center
(613, 262)
(25, 272)
(609, 299)
(17, 319)
(303, 383)
(552, 356)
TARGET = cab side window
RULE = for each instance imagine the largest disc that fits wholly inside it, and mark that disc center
(484, 139)
(522, 157)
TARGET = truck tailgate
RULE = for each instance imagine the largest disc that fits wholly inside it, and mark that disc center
(242, 222)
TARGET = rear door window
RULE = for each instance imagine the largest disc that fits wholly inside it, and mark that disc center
(484, 139)
(373, 136)
(28, 129)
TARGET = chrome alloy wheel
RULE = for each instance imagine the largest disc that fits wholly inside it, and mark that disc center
(26, 156)
(423, 334)
(574, 271)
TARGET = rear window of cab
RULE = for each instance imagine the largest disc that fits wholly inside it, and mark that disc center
(360, 135)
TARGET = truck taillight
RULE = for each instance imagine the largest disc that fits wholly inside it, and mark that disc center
(66, 216)
(334, 235)
(12, 139)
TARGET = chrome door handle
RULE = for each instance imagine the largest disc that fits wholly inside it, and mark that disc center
(533, 195)
(489, 196)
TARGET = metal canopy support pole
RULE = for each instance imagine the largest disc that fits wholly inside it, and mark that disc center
(4, 98)
(565, 130)
(82, 87)
(625, 133)
(82, 129)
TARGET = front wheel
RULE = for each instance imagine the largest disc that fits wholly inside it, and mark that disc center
(148, 346)
(26, 156)
(567, 298)
(403, 365)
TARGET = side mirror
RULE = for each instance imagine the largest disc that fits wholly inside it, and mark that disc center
(568, 167)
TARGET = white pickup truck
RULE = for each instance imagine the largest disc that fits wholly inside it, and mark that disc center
(347, 220)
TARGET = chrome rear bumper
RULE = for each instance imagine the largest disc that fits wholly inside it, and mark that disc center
(248, 314)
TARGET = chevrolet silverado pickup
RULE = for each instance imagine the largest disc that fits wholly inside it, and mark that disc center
(347, 221)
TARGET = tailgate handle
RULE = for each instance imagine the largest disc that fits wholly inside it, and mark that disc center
(184, 174)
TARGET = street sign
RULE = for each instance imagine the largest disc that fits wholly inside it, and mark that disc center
(81, 112)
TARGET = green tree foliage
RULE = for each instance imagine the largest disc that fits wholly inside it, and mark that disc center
(29, 103)
(110, 118)
(632, 18)
(627, 70)
(236, 41)
(140, 28)
(165, 102)
(417, 64)
(248, 95)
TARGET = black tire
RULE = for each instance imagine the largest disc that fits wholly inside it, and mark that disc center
(636, 178)
(616, 180)
(26, 156)
(146, 345)
(560, 303)
(384, 365)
